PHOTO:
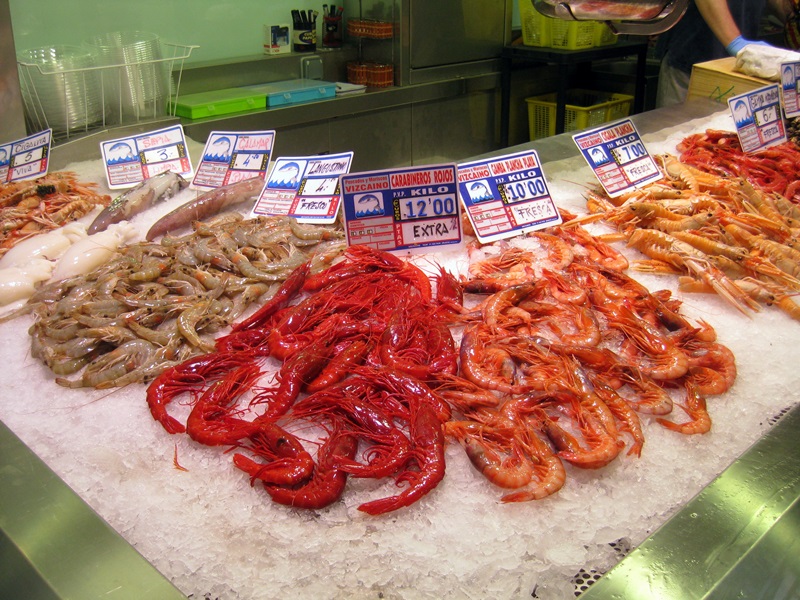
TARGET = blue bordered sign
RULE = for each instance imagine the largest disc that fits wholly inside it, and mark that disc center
(402, 209)
(27, 158)
(304, 187)
(618, 157)
(758, 118)
(506, 195)
(230, 156)
(131, 160)
(790, 73)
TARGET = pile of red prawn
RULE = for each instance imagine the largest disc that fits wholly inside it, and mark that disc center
(773, 169)
(565, 356)
(556, 364)
(358, 342)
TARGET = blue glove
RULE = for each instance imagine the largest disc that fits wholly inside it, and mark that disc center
(739, 42)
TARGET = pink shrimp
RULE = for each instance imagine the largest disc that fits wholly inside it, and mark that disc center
(696, 408)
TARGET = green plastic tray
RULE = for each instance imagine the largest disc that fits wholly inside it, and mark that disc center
(219, 102)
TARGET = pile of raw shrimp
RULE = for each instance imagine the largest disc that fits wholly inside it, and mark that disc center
(153, 305)
(560, 353)
(720, 153)
(721, 235)
(30, 207)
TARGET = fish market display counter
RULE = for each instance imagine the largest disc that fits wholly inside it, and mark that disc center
(119, 508)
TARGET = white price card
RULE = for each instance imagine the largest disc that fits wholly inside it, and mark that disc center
(230, 156)
(758, 118)
(304, 187)
(27, 158)
(506, 195)
(618, 157)
(402, 209)
(133, 159)
(790, 73)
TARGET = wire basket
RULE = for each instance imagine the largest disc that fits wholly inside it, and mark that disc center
(74, 90)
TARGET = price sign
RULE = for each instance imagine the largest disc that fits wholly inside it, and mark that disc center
(758, 118)
(402, 209)
(230, 156)
(27, 158)
(506, 195)
(131, 160)
(304, 187)
(790, 73)
(618, 157)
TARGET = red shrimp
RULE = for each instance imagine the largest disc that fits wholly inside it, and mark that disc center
(495, 452)
(712, 367)
(417, 344)
(288, 290)
(298, 370)
(696, 408)
(288, 462)
(427, 437)
(549, 475)
(449, 293)
(622, 411)
(210, 422)
(190, 375)
(327, 482)
(341, 365)
(489, 367)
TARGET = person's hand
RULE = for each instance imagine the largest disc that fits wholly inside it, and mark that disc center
(763, 60)
(739, 42)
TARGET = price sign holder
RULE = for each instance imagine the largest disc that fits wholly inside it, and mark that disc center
(402, 209)
(790, 73)
(229, 157)
(304, 187)
(27, 158)
(758, 118)
(131, 160)
(506, 195)
(618, 157)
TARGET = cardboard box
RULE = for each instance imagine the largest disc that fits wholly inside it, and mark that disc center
(716, 80)
(277, 39)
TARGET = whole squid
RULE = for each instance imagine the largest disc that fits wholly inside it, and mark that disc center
(206, 205)
(138, 199)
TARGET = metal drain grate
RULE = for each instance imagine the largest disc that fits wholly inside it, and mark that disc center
(584, 578)
(775, 418)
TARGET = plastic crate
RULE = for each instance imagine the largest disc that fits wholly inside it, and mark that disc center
(603, 35)
(584, 108)
(535, 26)
(572, 35)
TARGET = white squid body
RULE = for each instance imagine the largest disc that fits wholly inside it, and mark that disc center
(49, 245)
(89, 253)
(19, 283)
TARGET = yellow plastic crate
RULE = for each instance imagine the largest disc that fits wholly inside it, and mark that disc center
(535, 26)
(583, 109)
(545, 32)
(603, 36)
(572, 35)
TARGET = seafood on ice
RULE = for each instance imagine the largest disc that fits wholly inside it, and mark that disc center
(150, 305)
(718, 234)
(558, 364)
(93, 251)
(50, 245)
(19, 282)
(31, 207)
(138, 199)
(206, 205)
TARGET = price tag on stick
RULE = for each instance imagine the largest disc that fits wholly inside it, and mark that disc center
(618, 157)
(758, 118)
(231, 156)
(506, 195)
(27, 158)
(131, 160)
(402, 209)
